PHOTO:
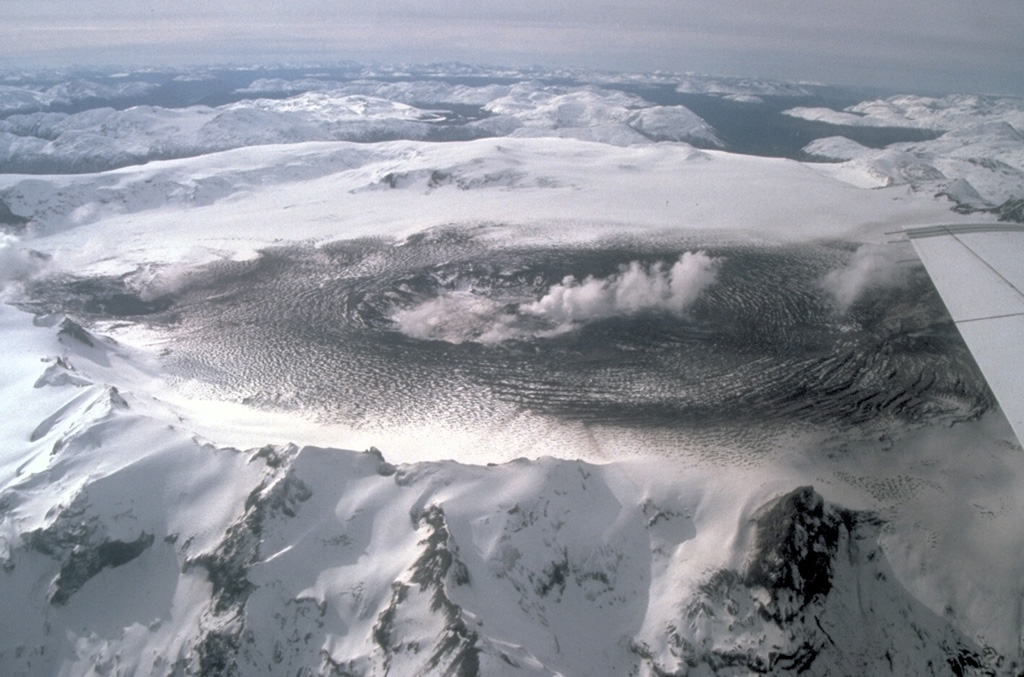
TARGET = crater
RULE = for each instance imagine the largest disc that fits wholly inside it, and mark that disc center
(314, 329)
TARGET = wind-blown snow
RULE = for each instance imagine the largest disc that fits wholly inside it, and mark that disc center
(18, 264)
(457, 317)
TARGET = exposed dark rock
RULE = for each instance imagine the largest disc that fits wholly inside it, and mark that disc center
(332, 668)
(6, 560)
(227, 566)
(384, 469)
(217, 654)
(554, 577)
(61, 373)
(1011, 210)
(70, 529)
(824, 612)
(86, 561)
(272, 456)
(383, 629)
(438, 559)
(795, 543)
(455, 651)
(73, 330)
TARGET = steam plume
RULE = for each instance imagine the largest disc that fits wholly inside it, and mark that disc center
(871, 267)
(457, 317)
(632, 290)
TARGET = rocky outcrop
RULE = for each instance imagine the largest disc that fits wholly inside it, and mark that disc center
(797, 541)
(816, 596)
(79, 541)
(228, 565)
(440, 643)
(1011, 210)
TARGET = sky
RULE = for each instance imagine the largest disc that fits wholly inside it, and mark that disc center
(911, 45)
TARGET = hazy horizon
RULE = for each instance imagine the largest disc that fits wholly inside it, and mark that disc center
(942, 46)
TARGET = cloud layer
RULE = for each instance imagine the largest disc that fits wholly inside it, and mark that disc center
(947, 44)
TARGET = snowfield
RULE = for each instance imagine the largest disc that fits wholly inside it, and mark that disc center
(412, 376)
(558, 190)
(105, 138)
(976, 163)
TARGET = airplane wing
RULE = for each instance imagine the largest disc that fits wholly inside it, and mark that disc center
(978, 271)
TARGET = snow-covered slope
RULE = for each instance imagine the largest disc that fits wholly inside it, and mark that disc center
(978, 162)
(330, 191)
(104, 138)
(26, 97)
(947, 113)
(599, 115)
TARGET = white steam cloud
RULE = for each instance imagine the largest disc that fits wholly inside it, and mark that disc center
(634, 289)
(458, 317)
(151, 281)
(872, 267)
(18, 265)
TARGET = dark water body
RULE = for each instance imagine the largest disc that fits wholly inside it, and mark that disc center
(762, 129)
(314, 329)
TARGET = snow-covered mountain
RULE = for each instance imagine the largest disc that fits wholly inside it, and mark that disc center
(977, 162)
(948, 113)
(28, 97)
(482, 372)
(748, 90)
(106, 138)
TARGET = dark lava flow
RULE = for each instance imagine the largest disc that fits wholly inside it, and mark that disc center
(312, 328)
